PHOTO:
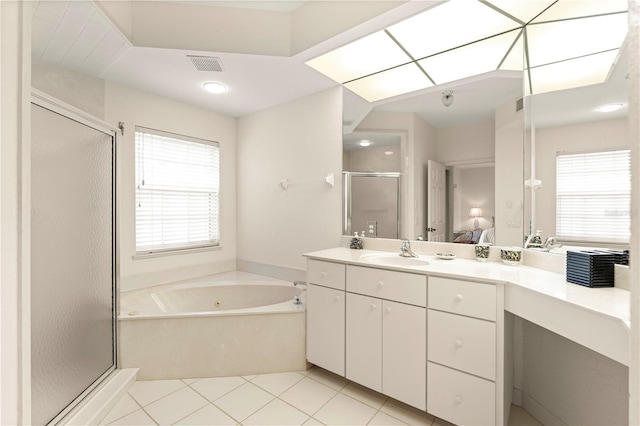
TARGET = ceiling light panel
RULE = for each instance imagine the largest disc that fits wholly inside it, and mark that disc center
(449, 25)
(514, 61)
(567, 9)
(368, 55)
(525, 10)
(469, 60)
(396, 81)
(557, 41)
(584, 71)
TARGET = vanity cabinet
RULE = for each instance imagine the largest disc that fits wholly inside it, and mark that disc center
(326, 315)
(386, 332)
(462, 355)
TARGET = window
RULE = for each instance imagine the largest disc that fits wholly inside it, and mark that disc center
(593, 196)
(177, 192)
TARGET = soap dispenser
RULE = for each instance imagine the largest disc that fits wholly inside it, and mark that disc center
(535, 240)
(356, 242)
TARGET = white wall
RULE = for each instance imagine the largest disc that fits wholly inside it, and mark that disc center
(475, 187)
(470, 143)
(592, 136)
(300, 141)
(134, 107)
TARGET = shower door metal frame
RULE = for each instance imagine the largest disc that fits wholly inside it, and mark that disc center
(54, 105)
(346, 194)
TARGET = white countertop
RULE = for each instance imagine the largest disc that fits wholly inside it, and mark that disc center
(598, 318)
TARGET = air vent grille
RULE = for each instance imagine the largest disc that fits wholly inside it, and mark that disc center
(519, 104)
(206, 63)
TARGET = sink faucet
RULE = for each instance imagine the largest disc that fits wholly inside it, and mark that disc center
(550, 243)
(405, 249)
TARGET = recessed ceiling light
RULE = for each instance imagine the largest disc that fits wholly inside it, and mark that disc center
(365, 142)
(214, 87)
(388, 153)
(609, 108)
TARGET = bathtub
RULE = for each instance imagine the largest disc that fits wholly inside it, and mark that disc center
(230, 324)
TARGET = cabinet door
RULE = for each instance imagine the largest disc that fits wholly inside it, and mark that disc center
(325, 328)
(404, 353)
(364, 341)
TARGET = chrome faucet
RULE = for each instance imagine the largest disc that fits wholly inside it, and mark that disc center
(550, 243)
(405, 249)
(297, 298)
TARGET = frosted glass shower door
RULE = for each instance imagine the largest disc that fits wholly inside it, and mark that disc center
(72, 260)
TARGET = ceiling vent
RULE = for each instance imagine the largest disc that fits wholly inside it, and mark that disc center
(519, 104)
(206, 63)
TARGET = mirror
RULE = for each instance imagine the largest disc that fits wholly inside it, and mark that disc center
(567, 125)
(408, 134)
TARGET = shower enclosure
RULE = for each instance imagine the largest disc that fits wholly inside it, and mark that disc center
(73, 253)
(372, 204)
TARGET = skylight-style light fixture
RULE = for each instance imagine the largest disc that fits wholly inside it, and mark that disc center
(559, 44)
(610, 107)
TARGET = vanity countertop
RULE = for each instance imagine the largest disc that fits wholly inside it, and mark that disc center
(598, 318)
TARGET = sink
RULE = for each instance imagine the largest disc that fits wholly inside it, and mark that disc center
(393, 260)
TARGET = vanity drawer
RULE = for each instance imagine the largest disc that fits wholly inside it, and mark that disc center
(460, 398)
(326, 274)
(464, 343)
(389, 285)
(463, 297)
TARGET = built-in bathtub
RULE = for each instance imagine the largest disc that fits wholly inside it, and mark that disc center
(230, 324)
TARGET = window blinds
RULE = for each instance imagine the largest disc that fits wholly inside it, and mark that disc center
(177, 192)
(593, 196)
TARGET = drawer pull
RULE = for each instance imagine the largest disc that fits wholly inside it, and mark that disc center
(380, 284)
(458, 343)
(388, 309)
(336, 298)
(458, 297)
(373, 306)
(457, 400)
(323, 274)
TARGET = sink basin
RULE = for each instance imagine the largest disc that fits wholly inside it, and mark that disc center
(393, 260)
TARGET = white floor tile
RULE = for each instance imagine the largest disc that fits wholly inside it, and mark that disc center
(136, 418)
(313, 422)
(126, 405)
(407, 414)
(382, 419)
(176, 406)
(344, 410)
(250, 377)
(366, 395)
(277, 383)
(240, 403)
(190, 381)
(149, 391)
(308, 395)
(209, 415)
(519, 417)
(328, 378)
(216, 387)
(276, 413)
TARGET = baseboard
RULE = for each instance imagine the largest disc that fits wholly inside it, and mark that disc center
(516, 397)
(538, 411)
(102, 400)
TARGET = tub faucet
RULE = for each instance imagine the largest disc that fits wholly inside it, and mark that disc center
(405, 249)
(296, 299)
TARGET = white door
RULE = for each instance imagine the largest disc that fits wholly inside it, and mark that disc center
(404, 351)
(325, 328)
(364, 341)
(436, 201)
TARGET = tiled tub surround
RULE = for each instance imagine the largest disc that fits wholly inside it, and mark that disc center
(597, 319)
(213, 326)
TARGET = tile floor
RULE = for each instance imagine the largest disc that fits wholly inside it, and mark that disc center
(312, 397)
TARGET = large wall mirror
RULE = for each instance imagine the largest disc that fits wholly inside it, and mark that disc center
(577, 164)
(418, 135)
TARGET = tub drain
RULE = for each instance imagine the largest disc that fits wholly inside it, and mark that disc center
(218, 303)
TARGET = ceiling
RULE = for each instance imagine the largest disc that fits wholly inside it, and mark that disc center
(77, 35)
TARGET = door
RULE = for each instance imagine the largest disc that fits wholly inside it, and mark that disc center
(364, 341)
(436, 201)
(325, 328)
(404, 351)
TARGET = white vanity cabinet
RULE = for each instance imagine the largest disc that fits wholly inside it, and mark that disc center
(386, 332)
(464, 330)
(326, 315)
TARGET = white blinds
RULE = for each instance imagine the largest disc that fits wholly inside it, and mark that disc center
(177, 192)
(593, 196)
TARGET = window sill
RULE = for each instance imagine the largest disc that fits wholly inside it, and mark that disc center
(140, 256)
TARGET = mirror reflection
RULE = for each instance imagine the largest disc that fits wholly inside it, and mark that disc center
(577, 165)
(451, 132)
